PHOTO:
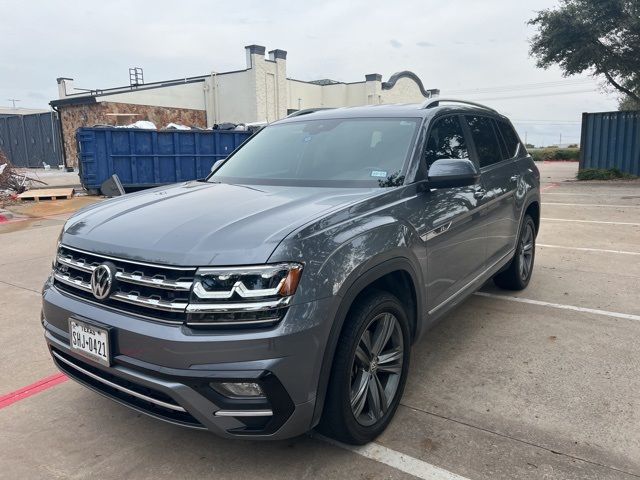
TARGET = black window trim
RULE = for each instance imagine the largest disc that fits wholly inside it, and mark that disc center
(465, 131)
(508, 124)
(486, 168)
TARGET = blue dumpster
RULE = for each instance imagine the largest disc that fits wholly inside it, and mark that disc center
(146, 158)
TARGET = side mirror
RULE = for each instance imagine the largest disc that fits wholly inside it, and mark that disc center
(453, 172)
(215, 164)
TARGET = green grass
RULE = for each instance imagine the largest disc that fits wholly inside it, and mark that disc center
(602, 174)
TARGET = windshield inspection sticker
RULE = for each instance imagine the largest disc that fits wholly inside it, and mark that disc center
(379, 173)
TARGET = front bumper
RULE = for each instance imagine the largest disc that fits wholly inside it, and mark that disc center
(165, 370)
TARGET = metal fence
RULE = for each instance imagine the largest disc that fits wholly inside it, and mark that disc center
(611, 140)
(31, 140)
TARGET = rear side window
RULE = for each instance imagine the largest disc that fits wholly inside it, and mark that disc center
(446, 140)
(485, 140)
(510, 137)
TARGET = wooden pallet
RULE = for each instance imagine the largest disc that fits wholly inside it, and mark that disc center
(47, 194)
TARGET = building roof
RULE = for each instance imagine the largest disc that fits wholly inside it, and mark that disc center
(5, 111)
(90, 95)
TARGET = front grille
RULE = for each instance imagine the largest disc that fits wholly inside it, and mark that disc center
(154, 291)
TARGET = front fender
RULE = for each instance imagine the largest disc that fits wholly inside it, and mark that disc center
(342, 261)
(335, 258)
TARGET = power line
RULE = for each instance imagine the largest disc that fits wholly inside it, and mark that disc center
(524, 86)
(553, 94)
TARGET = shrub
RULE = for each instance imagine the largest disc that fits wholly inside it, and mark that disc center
(550, 154)
(601, 174)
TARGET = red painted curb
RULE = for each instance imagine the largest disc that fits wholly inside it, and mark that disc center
(33, 389)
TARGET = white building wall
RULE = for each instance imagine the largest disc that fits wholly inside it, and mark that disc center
(370, 92)
(270, 79)
(263, 93)
(303, 95)
(229, 98)
(405, 90)
(188, 95)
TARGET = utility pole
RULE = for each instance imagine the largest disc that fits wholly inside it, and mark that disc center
(13, 101)
(525, 137)
(560, 144)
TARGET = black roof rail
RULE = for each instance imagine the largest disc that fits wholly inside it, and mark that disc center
(307, 111)
(436, 102)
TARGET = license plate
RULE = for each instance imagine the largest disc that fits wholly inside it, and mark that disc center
(89, 341)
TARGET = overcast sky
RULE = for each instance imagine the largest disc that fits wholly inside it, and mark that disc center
(457, 46)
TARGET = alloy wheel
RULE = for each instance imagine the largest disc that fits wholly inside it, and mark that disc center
(376, 369)
(526, 251)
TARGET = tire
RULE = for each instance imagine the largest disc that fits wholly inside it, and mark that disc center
(518, 274)
(365, 369)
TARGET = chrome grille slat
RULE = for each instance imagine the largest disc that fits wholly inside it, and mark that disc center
(70, 262)
(153, 282)
(141, 288)
(126, 390)
(124, 297)
(129, 277)
(238, 307)
(67, 280)
(130, 262)
(163, 293)
(178, 307)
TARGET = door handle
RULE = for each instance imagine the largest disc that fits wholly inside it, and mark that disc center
(479, 193)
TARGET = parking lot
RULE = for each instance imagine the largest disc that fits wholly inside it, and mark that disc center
(540, 384)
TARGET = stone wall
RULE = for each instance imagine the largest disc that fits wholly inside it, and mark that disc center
(89, 115)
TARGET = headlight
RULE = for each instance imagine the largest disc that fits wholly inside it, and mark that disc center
(242, 295)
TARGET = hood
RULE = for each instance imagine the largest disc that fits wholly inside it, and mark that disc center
(200, 224)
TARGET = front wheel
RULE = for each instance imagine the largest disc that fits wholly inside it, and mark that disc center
(369, 370)
(517, 276)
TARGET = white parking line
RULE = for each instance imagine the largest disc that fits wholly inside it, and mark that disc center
(590, 205)
(397, 460)
(626, 316)
(617, 194)
(584, 249)
(589, 221)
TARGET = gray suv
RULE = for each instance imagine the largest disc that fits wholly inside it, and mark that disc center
(284, 291)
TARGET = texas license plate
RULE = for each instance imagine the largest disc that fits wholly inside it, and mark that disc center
(90, 341)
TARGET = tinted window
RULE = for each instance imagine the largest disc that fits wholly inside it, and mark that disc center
(446, 140)
(485, 140)
(510, 137)
(368, 151)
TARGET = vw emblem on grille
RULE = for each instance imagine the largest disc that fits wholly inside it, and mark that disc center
(102, 281)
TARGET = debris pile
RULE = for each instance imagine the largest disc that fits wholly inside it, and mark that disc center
(12, 182)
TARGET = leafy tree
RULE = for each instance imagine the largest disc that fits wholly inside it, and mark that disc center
(628, 104)
(601, 37)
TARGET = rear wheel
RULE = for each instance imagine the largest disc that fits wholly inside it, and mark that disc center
(369, 370)
(517, 276)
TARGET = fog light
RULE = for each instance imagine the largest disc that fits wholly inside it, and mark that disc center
(239, 389)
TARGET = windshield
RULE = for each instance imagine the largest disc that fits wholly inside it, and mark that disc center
(367, 152)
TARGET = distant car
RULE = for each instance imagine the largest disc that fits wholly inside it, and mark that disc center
(285, 291)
